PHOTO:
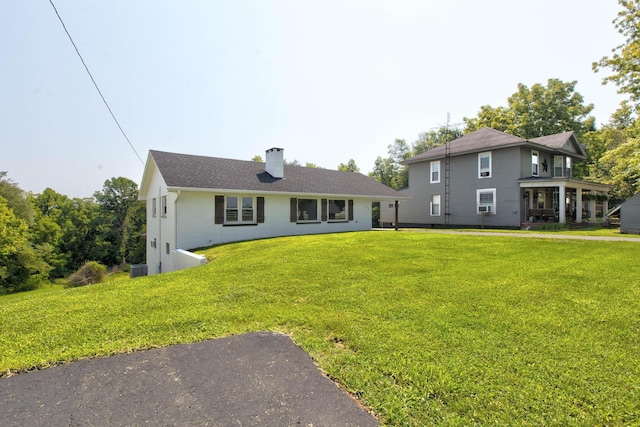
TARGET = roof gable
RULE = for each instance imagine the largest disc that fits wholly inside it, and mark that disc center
(185, 171)
(566, 142)
(485, 139)
(480, 140)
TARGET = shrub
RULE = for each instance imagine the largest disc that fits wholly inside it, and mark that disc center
(91, 272)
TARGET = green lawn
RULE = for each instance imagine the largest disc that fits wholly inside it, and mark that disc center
(423, 328)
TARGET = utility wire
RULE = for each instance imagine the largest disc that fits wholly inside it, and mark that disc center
(94, 82)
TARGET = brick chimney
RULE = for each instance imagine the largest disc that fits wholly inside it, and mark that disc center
(275, 162)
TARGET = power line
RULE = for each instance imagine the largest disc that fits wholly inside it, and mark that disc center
(94, 82)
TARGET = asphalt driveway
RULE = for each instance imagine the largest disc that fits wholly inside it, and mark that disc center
(255, 379)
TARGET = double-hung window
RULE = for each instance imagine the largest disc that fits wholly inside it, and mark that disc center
(154, 207)
(534, 163)
(239, 210)
(484, 165)
(558, 165)
(486, 201)
(567, 166)
(435, 172)
(337, 210)
(435, 205)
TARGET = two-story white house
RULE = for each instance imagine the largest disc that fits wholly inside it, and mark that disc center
(490, 178)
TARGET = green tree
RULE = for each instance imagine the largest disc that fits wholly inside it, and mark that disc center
(623, 164)
(349, 167)
(16, 198)
(20, 266)
(66, 226)
(433, 138)
(625, 59)
(120, 222)
(384, 171)
(257, 158)
(538, 111)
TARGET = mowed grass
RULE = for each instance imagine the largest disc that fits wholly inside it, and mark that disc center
(423, 328)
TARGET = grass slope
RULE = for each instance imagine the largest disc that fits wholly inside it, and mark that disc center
(423, 328)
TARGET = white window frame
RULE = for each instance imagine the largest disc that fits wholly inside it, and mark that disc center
(154, 207)
(435, 169)
(435, 202)
(486, 172)
(484, 208)
(535, 163)
(567, 166)
(344, 214)
(240, 209)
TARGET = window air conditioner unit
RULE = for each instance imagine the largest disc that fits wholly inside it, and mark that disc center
(484, 209)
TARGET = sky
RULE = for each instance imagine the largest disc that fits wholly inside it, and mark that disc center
(327, 81)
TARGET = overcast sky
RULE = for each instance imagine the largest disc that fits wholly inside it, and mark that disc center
(327, 80)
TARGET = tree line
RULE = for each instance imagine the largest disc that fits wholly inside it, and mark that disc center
(48, 236)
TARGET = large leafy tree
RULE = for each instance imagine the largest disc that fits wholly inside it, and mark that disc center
(350, 166)
(625, 59)
(616, 146)
(66, 226)
(388, 170)
(538, 111)
(433, 138)
(120, 227)
(21, 267)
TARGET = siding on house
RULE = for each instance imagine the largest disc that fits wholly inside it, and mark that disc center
(506, 168)
(630, 215)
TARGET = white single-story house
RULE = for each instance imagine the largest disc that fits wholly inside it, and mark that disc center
(630, 215)
(197, 201)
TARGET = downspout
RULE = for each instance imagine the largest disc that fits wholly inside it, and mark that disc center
(396, 204)
(159, 248)
(175, 220)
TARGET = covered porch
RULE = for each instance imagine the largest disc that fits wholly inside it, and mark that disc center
(563, 200)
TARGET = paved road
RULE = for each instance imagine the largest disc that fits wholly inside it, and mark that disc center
(255, 379)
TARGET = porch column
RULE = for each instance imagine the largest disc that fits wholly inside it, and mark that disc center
(562, 204)
(605, 208)
(578, 205)
(592, 210)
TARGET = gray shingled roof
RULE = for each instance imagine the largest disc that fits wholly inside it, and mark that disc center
(186, 171)
(486, 139)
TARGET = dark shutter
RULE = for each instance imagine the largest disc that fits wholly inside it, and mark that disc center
(219, 210)
(294, 210)
(260, 210)
(323, 214)
(350, 210)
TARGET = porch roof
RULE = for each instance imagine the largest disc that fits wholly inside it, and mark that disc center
(535, 182)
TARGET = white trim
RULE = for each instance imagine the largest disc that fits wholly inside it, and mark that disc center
(535, 166)
(486, 208)
(432, 204)
(239, 208)
(431, 169)
(485, 171)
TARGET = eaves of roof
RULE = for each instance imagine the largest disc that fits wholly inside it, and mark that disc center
(186, 172)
